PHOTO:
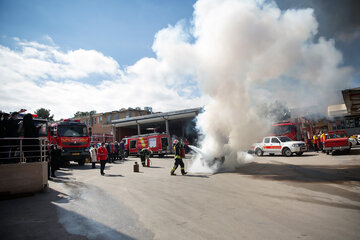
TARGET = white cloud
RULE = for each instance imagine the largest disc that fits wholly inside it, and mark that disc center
(35, 75)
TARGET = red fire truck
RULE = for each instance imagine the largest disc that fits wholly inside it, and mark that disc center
(156, 142)
(74, 138)
(301, 130)
(289, 129)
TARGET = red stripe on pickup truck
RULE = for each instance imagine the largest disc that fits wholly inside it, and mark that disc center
(272, 147)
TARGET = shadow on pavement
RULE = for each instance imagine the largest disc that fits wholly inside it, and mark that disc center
(37, 217)
(302, 173)
(113, 175)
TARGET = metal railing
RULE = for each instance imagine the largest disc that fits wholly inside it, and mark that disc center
(22, 150)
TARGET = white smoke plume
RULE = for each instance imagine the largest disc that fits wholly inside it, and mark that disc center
(249, 52)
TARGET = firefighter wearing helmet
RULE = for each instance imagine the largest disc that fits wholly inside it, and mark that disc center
(178, 158)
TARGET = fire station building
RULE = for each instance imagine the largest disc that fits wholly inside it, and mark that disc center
(179, 123)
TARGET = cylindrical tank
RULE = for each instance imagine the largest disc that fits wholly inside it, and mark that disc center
(136, 167)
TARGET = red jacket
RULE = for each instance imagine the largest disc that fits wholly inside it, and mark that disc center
(102, 153)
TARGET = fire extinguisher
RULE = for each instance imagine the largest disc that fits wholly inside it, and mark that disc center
(148, 162)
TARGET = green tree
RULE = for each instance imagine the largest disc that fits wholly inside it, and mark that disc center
(81, 114)
(44, 114)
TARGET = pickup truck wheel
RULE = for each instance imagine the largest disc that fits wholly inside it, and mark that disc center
(299, 153)
(287, 152)
(259, 152)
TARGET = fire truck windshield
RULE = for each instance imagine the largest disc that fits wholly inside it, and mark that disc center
(282, 129)
(72, 131)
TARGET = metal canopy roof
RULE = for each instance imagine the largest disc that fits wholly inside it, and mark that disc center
(157, 117)
(352, 100)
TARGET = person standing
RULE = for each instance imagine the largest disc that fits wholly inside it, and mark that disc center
(117, 157)
(93, 156)
(121, 150)
(112, 152)
(108, 148)
(315, 142)
(322, 140)
(30, 144)
(102, 154)
(55, 159)
(12, 127)
(178, 158)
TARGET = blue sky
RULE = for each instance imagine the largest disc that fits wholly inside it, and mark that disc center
(122, 29)
(70, 56)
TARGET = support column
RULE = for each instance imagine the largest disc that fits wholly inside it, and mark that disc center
(168, 133)
(182, 130)
(138, 128)
(114, 133)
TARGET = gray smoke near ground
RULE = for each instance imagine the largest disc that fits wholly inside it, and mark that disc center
(249, 53)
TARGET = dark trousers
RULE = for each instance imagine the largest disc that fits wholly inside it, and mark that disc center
(142, 157)
(54, 166)
(93, 165)
(178, 162)
(102, 167)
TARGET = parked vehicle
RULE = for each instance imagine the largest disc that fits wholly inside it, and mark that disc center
(352, 141)
(279, 145)
(298, 130)
(337, 141)
(156, 142)
(74, 138)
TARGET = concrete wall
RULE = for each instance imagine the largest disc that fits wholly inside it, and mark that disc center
(23, 177)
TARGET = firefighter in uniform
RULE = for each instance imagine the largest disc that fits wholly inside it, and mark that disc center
(322, 140)
(178, 158)
(144, 155)
(315, 142)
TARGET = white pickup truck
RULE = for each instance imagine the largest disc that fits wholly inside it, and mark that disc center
(279, 145)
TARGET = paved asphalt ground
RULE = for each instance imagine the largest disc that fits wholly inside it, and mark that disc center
(315, 196)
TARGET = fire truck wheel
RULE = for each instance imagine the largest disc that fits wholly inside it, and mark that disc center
(259, 152)
(287, 152)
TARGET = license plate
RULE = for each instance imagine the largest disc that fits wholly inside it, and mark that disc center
(76, 154)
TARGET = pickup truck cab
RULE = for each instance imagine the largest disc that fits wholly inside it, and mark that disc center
(337, 141)
(279, 145)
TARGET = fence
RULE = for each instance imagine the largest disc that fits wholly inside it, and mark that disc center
(22, 150)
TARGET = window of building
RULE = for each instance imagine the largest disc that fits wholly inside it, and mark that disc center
(108, 119)
(357, 122)
(116, 116)
(100, 119)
